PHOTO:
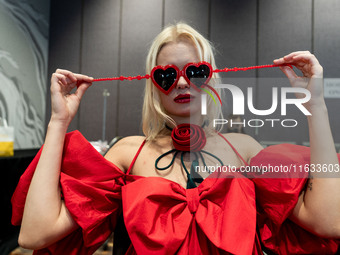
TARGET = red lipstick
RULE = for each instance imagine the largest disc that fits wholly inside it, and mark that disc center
(183, 98)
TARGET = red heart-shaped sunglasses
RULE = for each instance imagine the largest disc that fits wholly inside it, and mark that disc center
(166, 77)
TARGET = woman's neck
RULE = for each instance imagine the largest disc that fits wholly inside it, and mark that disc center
(195, 119)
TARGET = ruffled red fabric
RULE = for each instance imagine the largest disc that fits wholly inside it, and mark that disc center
(161, 217)
(91, 188)
(276, 199)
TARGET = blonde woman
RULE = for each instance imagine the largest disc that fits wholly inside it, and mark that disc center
(74, 195)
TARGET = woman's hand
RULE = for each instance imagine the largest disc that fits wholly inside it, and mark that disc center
(312, 73)
(64, 103)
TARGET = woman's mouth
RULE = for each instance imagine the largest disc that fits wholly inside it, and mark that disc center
(183, 98)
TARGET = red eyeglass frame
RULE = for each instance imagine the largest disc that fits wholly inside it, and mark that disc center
(179, 74)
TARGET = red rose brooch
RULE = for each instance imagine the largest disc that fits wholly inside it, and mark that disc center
(188, 137)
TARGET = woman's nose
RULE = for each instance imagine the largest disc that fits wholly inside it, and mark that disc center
(182, 83)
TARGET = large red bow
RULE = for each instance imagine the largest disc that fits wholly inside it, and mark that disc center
(164, 218)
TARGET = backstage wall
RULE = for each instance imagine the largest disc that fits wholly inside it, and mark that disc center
(24, 28)
(109, 38)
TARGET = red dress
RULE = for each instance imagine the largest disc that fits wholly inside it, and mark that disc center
(221, 216)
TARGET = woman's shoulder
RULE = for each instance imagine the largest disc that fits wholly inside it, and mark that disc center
(246, 145)
(123, 151)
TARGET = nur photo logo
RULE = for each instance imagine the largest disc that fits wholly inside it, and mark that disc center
(280, 98)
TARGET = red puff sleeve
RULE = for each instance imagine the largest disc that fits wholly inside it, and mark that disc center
(277, 197)
(91, 189)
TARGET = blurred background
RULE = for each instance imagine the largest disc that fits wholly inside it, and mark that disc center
(111, 38)
(107, 38)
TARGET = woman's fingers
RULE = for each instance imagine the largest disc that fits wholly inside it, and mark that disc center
(71, 76)
(305, 58)
(290, 57)
(302, 58)
(311, 71)
(296, 53)
(286, 59)
(308, 64)
(305, 61)
(61, 83)
(65, 103)
(82, 88)
(69, 80)
(59, 78)
(74, 77)
(289, 72)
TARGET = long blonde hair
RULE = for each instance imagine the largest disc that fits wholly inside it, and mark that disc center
(154, 115)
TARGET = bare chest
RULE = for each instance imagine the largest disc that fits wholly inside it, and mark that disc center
(175, 166)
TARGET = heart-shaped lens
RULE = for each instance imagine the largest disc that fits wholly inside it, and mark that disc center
(165, 78)
(200, 73)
